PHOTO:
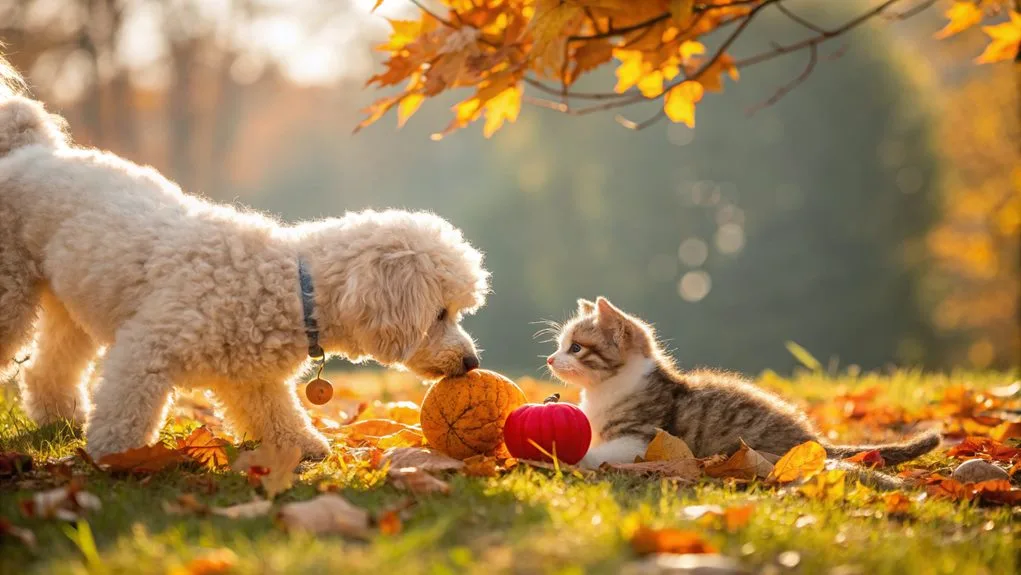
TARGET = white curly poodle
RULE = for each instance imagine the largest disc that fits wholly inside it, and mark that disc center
(98, 252)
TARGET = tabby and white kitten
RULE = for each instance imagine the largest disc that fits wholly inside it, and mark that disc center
(630, 388)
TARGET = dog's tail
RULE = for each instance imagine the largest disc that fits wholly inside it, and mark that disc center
(24, 121)
(893, 453)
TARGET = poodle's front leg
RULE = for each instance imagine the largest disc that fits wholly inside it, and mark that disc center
(133, 394)
(270, 411)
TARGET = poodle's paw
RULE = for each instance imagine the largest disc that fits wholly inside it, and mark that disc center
(99, 445)
(314, 446)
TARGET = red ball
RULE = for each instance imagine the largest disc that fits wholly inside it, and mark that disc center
(559, 428)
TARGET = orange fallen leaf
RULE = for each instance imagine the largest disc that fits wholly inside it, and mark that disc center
(480, 466)
(376, 427)
(872, 459)
(666, 447)
(896, 503)
(148, 459)
(801, 462)
(647, 540)
(997, 492)
(735, 518)
(217, 561)
(390, 523)
(202, 446)
(941, 487)
(984, 447)
(8, 529)
(745, 463)
(403, 438)
(825, 486)
(1006, 430)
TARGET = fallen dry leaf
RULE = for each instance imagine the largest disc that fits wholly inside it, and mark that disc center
(985, 448)
(829, 485)
(701, 564)
(647, 540)
(8, 529)
(328, 513)
(148, 459)
(731, 518)
(940, 487)
(389, 523)
(423, 458)
(213, 562)
(666, 447)
(403, 438)
(271, 465)
(406, 412)
(1006, 430)
(14, 463)
(255, 508)
(376, 427)
(202, 446)
(896, 503)
(185, 504)
(682, 469)
(800, 462)
(67, 503)
(745, 463)
(480, 466)
(997, 492)
(871, 459)
(417, 481)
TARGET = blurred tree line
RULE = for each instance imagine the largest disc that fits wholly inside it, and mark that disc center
(860, 216)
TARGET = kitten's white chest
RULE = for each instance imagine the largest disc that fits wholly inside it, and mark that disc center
(598, 402)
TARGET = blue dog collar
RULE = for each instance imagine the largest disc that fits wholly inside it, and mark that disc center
(308, 303)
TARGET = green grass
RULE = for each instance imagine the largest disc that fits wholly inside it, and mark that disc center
(526, 521)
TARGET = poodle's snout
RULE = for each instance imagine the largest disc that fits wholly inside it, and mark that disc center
(470, 362)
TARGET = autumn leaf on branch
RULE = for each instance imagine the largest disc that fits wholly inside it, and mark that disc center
(497, 47)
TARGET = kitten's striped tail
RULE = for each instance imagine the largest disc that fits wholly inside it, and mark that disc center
(893, 453)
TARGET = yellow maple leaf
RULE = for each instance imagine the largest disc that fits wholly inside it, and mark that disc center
(651, 84)
(630, 71)
(691, 48)
(802, 461)
(963, 15)
(547, 25)
(679, 104)
(504, 106)
(407, 108)
(1006, 40)
(826, 486)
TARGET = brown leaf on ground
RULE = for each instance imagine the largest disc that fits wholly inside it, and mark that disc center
(403, 438)
(1006, 430)
(997, 492)
(799, 463)
(271, 465)
(67, 503)
(682, 469)
(985, 448)
(8, 529)
(647, 540)
(376, 427)
(14, 463)
(185, 504)
(666, 447)
(143, 460)
(480, 466)
(417, 481)
(327, 513)
(423, 458)
(871, 459)
(731, 518)
(941, 487)
(745, 463)
(205, 448)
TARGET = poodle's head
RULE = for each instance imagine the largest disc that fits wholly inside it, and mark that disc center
(399, 284)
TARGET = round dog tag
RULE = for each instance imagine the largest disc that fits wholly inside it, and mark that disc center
(319, 391)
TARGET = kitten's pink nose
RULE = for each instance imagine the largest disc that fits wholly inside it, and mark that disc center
(549, 360)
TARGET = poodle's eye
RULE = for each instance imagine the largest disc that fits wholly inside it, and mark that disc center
(442, 316)
(575, 348)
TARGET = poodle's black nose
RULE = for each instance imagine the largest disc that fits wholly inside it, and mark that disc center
(470, 362)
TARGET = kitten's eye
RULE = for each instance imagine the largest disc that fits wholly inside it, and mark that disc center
(442, 316)
(575, 348)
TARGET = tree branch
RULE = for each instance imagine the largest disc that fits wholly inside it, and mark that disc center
(791, 15)
(790, 86)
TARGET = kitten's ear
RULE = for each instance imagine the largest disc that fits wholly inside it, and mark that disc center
(606, 309)
(585, 307)
(612, 320)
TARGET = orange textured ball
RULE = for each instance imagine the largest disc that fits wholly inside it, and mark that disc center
(319, 391)
(464, 416)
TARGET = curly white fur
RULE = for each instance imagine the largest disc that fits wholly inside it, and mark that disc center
(96, 251)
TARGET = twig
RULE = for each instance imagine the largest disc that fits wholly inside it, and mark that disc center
(631, 125)
(787, 88)
(443, 21)
(786, 12)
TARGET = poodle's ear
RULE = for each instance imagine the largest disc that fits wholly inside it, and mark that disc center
(585, 307)
(396, 306)
(24, 122)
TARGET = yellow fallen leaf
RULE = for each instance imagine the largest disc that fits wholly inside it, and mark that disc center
(421, 457)
(826, 486)
(801, 462)
(665, 447)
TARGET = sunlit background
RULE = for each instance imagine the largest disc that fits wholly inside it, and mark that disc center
(872, 215)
